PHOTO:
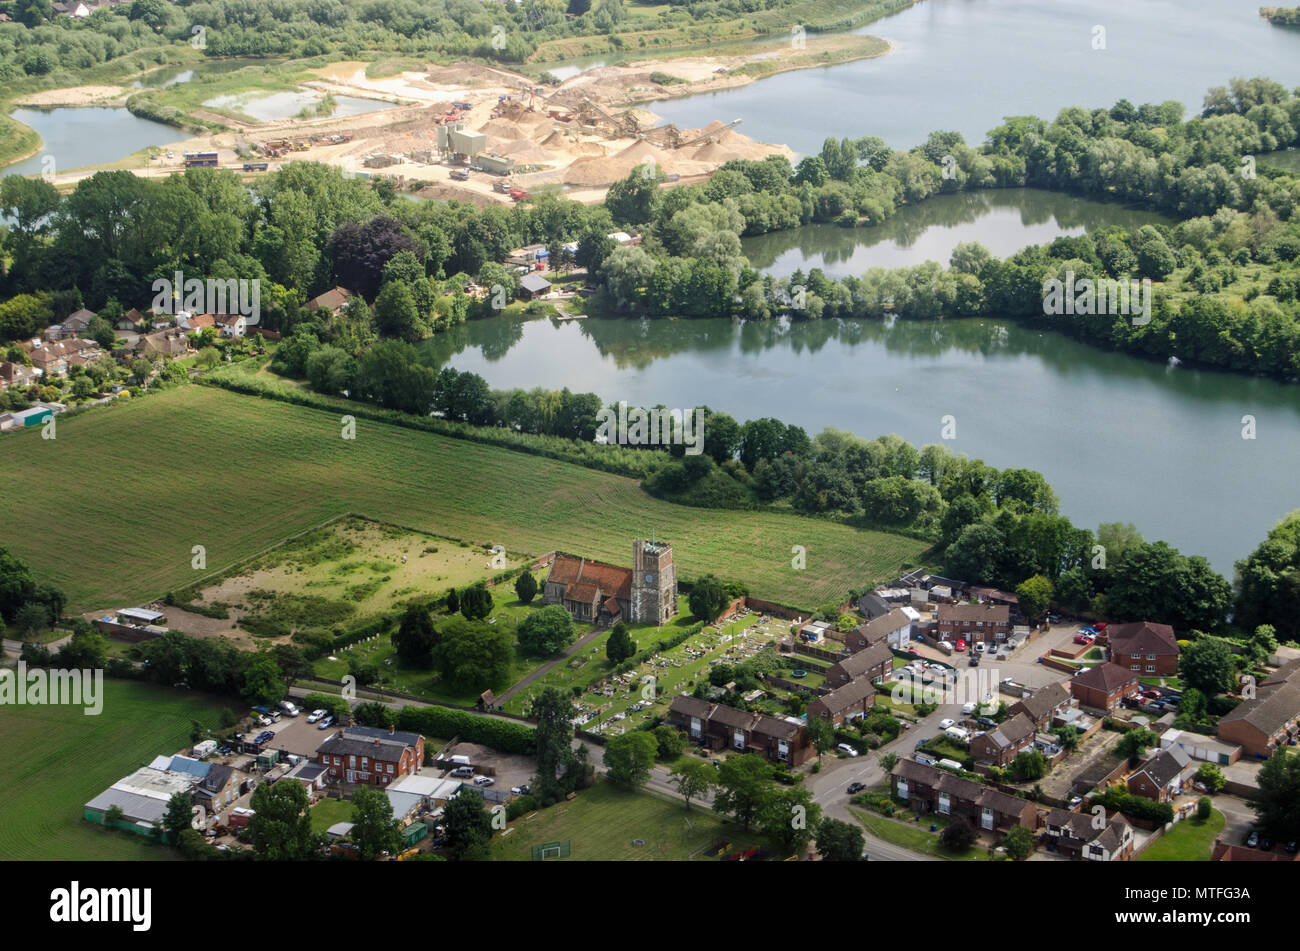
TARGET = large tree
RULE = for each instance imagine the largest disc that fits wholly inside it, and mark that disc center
(415, 638)
(694, 779)
(374, 830)
(467, 826)
(526, 586)
(474, 655)
(552, 710)
(546, 631)
(1209, 665)
(840, 841)
(744, 785)
(360, 251)
(630, 757)
(1277, 804)
(281, 825)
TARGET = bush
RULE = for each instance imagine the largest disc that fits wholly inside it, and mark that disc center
(1203, 808)
(502, 735)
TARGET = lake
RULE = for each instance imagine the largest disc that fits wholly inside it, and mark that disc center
(1004, 221)
(964, 65)
(77, 138)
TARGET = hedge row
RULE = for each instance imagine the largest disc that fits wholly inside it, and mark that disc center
(501, 735)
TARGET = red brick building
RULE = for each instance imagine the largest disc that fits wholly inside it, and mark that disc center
(875, 662)
(1104, 686)
(369, 756)
(849, 702)
(1150, 649)
(721, 727)
(974, 622)
(928, 789)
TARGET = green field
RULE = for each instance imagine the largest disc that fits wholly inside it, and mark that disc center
(57, 759)
(1189, 841)
(602, 823)
(137, 484)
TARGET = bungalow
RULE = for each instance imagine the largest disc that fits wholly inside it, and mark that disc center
(533, 286)
(333, 300)
(928, 789)
(1103, 687)
(1161, 776)
(1000, 745)
(311, 775)
(1151, 649)
(132, 320)
(164, 343)
(1044, 705)
(849, 702)
(893, 629)
(974, 622)
(1271, 719)
(1074, 835)
(873, 663)
(54, 359)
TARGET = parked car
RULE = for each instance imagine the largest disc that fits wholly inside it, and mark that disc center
(463, 772)
(1266, 843)
(1291, 847)
(981, 646)
(1253, 841)
(968, 708)
(263, 720)
(855, 788)
(846, 749)
(974, 660)
(1081, 639)
(987, 722)
(960, 645)
(316, 715)
(483, 780)
(947, 722)
(325, 724)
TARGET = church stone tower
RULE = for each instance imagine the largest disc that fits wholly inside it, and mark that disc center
(654, 582)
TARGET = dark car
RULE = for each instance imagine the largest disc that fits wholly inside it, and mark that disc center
(1266, 843)
(974, 660)
(1291, 847)
(855, 788)
(987, 722)
(921, 743)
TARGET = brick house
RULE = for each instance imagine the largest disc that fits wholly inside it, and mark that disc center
(875, 662)
(1271, 719)
(721, 727)
(853, 700)
(15, 375)
(1161, 776)
(1000, 745)
(1044, 705)
(973, 622)
(368, 756)
(894, 629)
(1150, 649)
(1074, 836)
(928, 789)
(333, 300)
(1103, 687)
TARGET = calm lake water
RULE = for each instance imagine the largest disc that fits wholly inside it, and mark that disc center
(1003, 221)
(76, 138)
(1120, 439)
(965, 64)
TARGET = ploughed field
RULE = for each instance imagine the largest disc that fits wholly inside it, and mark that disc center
(111, 509)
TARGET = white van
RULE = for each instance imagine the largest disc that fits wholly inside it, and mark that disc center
(968, 708)
(289, 709)
(460, 760)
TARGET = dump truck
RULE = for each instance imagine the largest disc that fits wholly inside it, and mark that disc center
(518, 194)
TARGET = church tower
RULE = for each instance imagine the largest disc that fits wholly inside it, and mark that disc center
(654, 582)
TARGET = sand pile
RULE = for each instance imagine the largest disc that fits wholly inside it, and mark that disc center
(603, 171)
(503, 129)
(714, 153)
(524, 151)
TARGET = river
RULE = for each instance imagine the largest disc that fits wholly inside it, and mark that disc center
(1120, 438)
(965, 64)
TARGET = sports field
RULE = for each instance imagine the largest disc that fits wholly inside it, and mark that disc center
(111, 509)
(57, 759)
(607, 824)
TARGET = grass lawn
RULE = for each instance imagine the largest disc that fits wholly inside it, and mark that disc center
(1188, 841)
(58, 759)
(915, 836)
(602, 822)
(208, 439)
(326, 812)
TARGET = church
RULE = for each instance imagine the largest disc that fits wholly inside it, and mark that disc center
(597, 593)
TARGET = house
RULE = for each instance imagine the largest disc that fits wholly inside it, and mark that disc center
(1151, 649)
(872, 606)
(55, 358)
(218, 787)
(1001, 744)
(1103, 687)
(1075, 835)
(1270, 719)
(533, 286)
(132, 320)
(973, 622)
(164, 343)
(873, 663)
(994, 596)
(928, 789)
(77, 323)
(312, 775)
(15, 375)
(1044, 705)
(597, 593)
(231, 325)
(894, 629)
(193, 323)
(853, 700)
(721, 727)
(333, 300)
(1161, 776)
(363, 755)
